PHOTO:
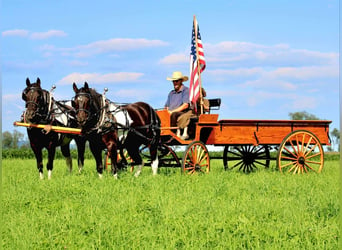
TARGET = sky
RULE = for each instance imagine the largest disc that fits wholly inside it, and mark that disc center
(264, 59)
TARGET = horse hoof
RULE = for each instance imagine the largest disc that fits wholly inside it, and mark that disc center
(115, 176)
(41, 176)
(100, 176)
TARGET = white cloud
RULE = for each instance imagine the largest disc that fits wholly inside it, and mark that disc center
(232, 47)
(96, 78)
(237, 72)
(105, 46)
(15, 32)
(306, 73)
(10, 97)
(47, 34)
(175, 59)
(34, 35)
(241, 54)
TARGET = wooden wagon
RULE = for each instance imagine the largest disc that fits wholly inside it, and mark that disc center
(296, 145)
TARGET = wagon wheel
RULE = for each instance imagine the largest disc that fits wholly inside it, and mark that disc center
(168, 157)
(196, 158)
(300, 152)
(246, 157)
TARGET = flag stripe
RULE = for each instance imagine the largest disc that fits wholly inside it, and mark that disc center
(196, 50)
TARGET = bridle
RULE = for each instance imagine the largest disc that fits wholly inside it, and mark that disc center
(90, 115)
(41, 103)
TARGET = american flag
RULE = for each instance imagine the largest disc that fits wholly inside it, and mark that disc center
(196, 62)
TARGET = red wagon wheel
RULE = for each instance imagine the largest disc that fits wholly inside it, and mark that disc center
(196, 158)
(300, 152)
(246, 158)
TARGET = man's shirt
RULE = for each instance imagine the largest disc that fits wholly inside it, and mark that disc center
(176, 99)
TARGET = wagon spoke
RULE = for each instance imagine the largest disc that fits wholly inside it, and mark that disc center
(235, 153)
(289, 158)
(295, 167)
(307, 145)
(288, 164)
(313, 162)
(260, 163)
(305, 156)
(311, 149)
(196, 158)
(308, 166)
(246, 158)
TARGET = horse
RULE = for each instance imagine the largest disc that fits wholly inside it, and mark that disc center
(41, 108)
(117, 127)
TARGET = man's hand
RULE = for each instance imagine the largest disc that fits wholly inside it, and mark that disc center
(47, 129)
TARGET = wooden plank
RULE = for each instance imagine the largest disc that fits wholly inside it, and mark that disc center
(57, 129)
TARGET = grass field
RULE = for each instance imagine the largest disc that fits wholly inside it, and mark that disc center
(219, 210)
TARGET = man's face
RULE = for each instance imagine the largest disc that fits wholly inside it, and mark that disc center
(177, 84)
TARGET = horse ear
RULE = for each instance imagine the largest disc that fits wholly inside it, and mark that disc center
(86, 85)
(75, 87)
(38, 81)
(28, 83)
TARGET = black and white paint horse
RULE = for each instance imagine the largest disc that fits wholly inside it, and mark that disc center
(41, 108)
(111, 126)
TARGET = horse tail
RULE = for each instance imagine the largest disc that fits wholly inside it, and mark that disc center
(155, 126)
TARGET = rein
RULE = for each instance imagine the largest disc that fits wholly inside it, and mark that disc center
(43, 107)
(106, 118)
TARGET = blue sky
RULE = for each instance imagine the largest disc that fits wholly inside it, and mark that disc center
(265, 59)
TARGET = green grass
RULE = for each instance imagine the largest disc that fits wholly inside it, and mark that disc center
(220, 210)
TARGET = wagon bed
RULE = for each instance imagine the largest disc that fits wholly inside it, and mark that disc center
(247, 143)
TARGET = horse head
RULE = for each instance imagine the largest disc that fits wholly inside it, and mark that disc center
(85, 103)
(35, 101)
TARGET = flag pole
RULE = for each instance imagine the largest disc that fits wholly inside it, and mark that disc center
(198, 66)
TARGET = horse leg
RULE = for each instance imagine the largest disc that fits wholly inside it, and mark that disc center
(114, 157)
(80, 142)
(66, 153)
(97, 153)
(39, 159)
(154, 158)
(51, 156)
(133, 152)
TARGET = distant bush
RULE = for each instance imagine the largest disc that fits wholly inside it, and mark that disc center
(27, 153)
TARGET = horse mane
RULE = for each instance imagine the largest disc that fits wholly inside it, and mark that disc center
(96, 97)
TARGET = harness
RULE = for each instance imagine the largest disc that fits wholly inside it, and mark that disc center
(42, 106)
(50, 111)
(111, 116)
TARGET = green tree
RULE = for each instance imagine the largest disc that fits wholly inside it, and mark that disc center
(11, 140)
(335, 134)
(7, 140)
(302, 115)
(17, 136)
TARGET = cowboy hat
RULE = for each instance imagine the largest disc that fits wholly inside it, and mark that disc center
(176, 76)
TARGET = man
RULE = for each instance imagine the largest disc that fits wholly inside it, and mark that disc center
(178, 102)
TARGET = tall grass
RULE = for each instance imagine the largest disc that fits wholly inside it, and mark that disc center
(220, 210)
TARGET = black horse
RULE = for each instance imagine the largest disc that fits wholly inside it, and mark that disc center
(111, 126)
(41, 108)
